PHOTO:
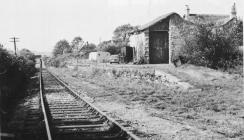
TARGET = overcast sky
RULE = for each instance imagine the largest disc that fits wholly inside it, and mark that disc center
(41, 23)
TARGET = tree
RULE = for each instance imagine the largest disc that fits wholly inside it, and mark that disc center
(89, 47)
(27, 54)
(122, 33)
(108, 46)
(61, 47)
(77, 44)
(80, 47)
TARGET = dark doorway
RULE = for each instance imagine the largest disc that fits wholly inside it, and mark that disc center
(159, 47)
(126, 54)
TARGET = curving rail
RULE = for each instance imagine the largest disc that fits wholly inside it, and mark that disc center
(49, 137)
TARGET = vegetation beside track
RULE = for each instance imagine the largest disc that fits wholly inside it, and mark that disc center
(15, 73)
(217, 107)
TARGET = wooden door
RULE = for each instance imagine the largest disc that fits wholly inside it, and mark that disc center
(158, 47)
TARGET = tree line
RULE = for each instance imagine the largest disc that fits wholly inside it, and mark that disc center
(79, 48)
(78, 45)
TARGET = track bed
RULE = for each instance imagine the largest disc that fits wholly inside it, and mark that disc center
(71, 117)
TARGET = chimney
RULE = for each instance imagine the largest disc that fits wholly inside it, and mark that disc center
(233, 11)
(187, 12)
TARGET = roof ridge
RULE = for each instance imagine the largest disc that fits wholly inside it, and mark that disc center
(159, 18)
(211, 14)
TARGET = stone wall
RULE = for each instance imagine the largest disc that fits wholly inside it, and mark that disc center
(148, 74)
(175, 37)
(146, 53)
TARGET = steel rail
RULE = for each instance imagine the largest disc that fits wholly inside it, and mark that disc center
(49, 136)
(133, 137)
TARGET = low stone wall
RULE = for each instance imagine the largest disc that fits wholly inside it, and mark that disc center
(150, 75)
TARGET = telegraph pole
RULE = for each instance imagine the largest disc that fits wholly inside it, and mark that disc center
(14, 39)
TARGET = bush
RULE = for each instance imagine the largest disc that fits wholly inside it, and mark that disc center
(53, 62)
(109, 46)
(14, 75)
(141, 60)
(59, 61)
(214, 47)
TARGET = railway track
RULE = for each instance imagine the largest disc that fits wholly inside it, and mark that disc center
(69, 117)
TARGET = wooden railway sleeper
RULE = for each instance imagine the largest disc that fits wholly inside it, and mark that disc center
(68, 111)
(78, 119)
(83, 117)
(80, 122)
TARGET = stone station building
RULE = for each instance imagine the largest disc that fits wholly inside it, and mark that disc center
(160, 40)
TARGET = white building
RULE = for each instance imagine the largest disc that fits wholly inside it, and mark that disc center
(100, 57)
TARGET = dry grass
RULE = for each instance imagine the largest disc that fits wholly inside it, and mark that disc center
(217, 107)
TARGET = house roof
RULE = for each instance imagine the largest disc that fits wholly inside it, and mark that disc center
(209, 18)
(153, 22)
(218, 20)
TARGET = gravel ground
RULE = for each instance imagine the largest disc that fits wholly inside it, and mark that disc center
(156, 111)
